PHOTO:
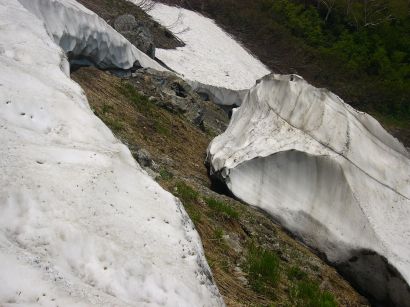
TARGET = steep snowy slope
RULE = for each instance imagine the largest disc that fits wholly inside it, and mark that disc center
(81, 224)
(330, 174)
(85, 36)
(210, 57)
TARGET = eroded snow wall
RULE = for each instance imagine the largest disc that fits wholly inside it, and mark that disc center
(85, 37)
(328, 173)
(219, 95)
(81, 224)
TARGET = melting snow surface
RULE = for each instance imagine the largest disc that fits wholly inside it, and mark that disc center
(330, 174)
(210, 55)
(81, 223)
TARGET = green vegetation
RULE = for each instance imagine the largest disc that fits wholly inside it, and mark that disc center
(218, 234)
(307, 293)
(115, 124)
(374, 47)
(106, 108)
(161, 128)
(186, 193)
(263, 269)
(165, 174)
(222, 208)
(139, 101)
(294, 273)
(189, 198)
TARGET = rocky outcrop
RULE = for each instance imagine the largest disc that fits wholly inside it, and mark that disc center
(330, 174)
(136, 32)
(170, 92)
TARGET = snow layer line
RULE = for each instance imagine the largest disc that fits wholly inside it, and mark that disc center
(81, 224)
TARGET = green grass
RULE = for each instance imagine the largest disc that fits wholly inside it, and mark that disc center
(294, 273)
(106, 109)
(222, 208)
(165, 174)
(162, 128)
(218, 233)
(189, 198)
(186, 193)
(194, 215)
(263, 271)
(306, 293)
(115, 124)
(140, 102)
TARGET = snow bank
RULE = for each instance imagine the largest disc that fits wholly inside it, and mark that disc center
(210, 55)
(86, 37)
(330, 174)
(81, 224)
(219, 95)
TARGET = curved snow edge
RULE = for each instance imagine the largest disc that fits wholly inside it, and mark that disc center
(83, 34)
(218, 94)
(324, 170)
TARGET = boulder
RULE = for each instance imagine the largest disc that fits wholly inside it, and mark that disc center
(136, 32)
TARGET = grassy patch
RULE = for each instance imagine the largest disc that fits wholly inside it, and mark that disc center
(222, 208)
(195, 215)
(294, 273)
(263, 269)
(140, 102)
(306, 293)
(186, 193)
(189, 198)
(218, 234)
(161, 128)
(106, 108)
(165, 174)
(115, 124)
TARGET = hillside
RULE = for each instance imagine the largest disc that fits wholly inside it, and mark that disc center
(359, 50)
(173, 151)
(149, 158)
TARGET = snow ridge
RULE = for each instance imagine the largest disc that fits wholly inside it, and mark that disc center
(328, 173)
(81, 224)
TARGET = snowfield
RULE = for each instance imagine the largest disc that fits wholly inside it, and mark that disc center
(328, 173)
(210, 57)
(81, 224)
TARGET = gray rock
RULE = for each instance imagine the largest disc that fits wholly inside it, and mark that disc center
(170, 92)
(136, 32)
(144, 158)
